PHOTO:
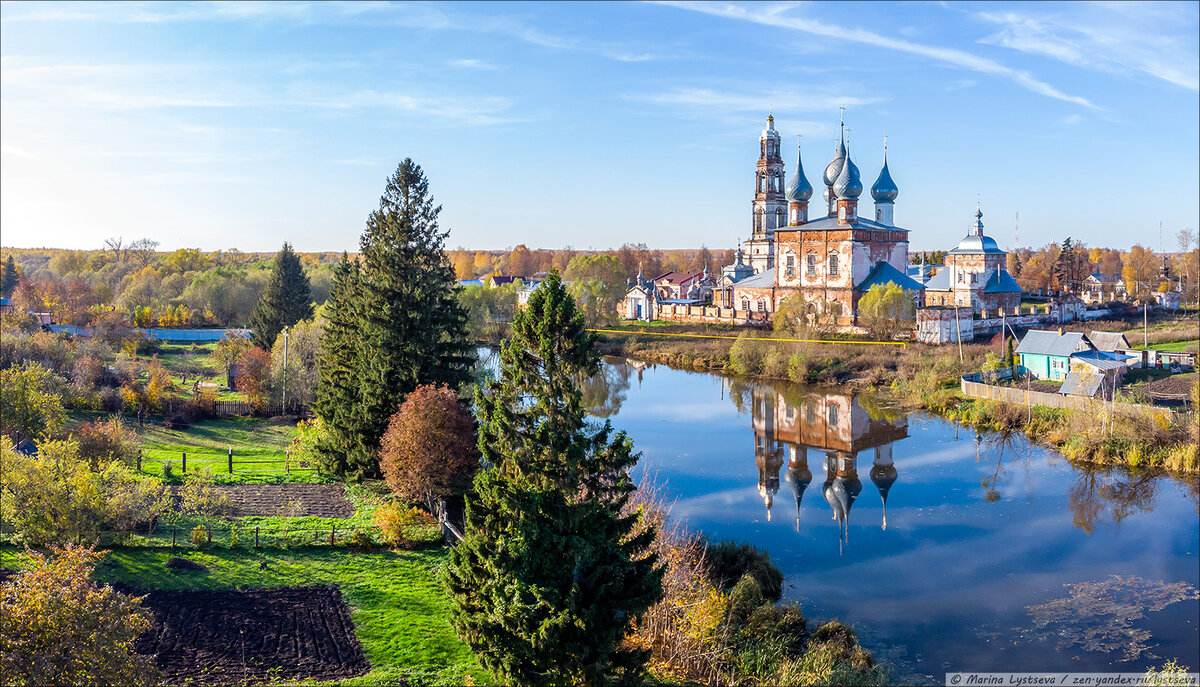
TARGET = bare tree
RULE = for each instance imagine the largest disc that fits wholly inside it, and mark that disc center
(118, 248)
(142, 250)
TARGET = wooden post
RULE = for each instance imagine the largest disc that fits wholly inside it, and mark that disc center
(287, 461)
(231, 460)
(139, 460)
(256, 536)
(185, 461)
(172, 537)
(332, 529)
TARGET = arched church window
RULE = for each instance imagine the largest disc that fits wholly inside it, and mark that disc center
(762, 305)
(810, 267)
(833, 264)
(780, 218)
(745, 303)
(789, 269)
(833, 415)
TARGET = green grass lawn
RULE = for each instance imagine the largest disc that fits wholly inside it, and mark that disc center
(207, 444)
(1193, 346)
(400, 609)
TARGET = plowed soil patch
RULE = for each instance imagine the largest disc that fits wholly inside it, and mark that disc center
(321, 500)
(231, 636)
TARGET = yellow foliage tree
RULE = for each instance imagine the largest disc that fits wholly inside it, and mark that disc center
(57, 628)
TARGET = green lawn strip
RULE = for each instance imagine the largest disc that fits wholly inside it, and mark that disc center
(400, 609)
(1192, 345)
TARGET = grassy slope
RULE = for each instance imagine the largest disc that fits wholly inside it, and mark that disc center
(400, 610)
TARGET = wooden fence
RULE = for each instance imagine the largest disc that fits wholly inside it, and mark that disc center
(975, 385)
(262, 536)
(229, 462)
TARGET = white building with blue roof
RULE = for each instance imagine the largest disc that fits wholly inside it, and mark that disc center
(975, 276)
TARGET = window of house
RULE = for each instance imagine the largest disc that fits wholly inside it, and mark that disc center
(811, 267)
(833, 264)
(745, 303)
(974, 277)
(789, 270)
(762, 305)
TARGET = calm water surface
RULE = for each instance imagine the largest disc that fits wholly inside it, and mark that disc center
(945, 549)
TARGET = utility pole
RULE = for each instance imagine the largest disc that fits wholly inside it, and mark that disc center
(1145, 326)
(958, 330)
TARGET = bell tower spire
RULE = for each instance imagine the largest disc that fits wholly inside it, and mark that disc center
(769, 207)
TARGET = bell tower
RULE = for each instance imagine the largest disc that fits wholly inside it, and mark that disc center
(769, 207)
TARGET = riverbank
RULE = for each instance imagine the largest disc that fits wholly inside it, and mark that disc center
(915, 376)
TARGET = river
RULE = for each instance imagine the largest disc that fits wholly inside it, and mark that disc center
(945, 549)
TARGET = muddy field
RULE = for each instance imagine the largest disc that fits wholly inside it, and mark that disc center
(232, 636)
(322, 500)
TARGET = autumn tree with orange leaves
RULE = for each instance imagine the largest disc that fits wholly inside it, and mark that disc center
(428, 451)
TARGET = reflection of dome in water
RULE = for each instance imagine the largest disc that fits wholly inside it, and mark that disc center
(769, 462)
(884, 476)
(798, 478)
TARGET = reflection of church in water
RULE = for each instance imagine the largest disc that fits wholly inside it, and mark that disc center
(835, 427)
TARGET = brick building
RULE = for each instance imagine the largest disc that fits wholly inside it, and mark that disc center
(975, 276)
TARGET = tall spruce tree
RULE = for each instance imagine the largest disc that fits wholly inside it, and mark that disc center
(550, 575)
(285, 300)
(413, 330)
(8, 281)
(337, 383)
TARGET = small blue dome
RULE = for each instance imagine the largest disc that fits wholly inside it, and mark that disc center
(798, 189)
(848, 184)
(884, 189)
(834, 168)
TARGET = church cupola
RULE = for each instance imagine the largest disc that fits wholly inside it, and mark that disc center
(832, 170)
(769, 205)
(884, 192)
(799, 191)
(847, 188)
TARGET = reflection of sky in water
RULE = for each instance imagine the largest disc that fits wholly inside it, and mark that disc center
(951, 568)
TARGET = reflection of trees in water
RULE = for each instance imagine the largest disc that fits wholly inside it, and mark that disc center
(604, 392)
(1100, 494)
(1000, 444)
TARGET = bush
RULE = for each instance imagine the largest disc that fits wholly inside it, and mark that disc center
(729, 561)
(395, 523)
(200, 536)
(201, 499)
(103, 442)
(746, 356)
(168, 468)
(57, 628)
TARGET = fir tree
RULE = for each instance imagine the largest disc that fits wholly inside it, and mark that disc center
(550, 575)
(413, 330)
(9, 280)
(337, 384)
(285, 300)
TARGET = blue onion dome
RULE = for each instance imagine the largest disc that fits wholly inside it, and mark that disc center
(834, 168)
(848, 184)
(884, 188)
(798, 189)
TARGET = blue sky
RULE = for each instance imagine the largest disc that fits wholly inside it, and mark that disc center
(245, 125)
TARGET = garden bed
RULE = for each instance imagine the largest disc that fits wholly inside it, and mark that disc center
(287, 499)
(259, 635)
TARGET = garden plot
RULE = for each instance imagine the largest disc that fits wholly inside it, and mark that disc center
(232, 636)
(320, 500)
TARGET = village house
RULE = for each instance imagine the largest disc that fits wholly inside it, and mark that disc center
(1046, 355)
(1102, 288)
(1075, 358)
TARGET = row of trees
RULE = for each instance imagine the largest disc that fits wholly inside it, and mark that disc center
(521, 261)
(1066, 266)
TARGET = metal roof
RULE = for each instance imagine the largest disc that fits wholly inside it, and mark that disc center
(827, 223)
(884, 273)
(1104, 278)
(1002, 282)
(1081, 384)
(971, 245)
(762, 280)
(1102, 360)
(1108, 341)
(1041, 342)
(939, 281)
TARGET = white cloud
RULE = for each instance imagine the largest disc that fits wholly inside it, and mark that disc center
(710, 99)
(778, 16)
(473, 64)
(1108, 38)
